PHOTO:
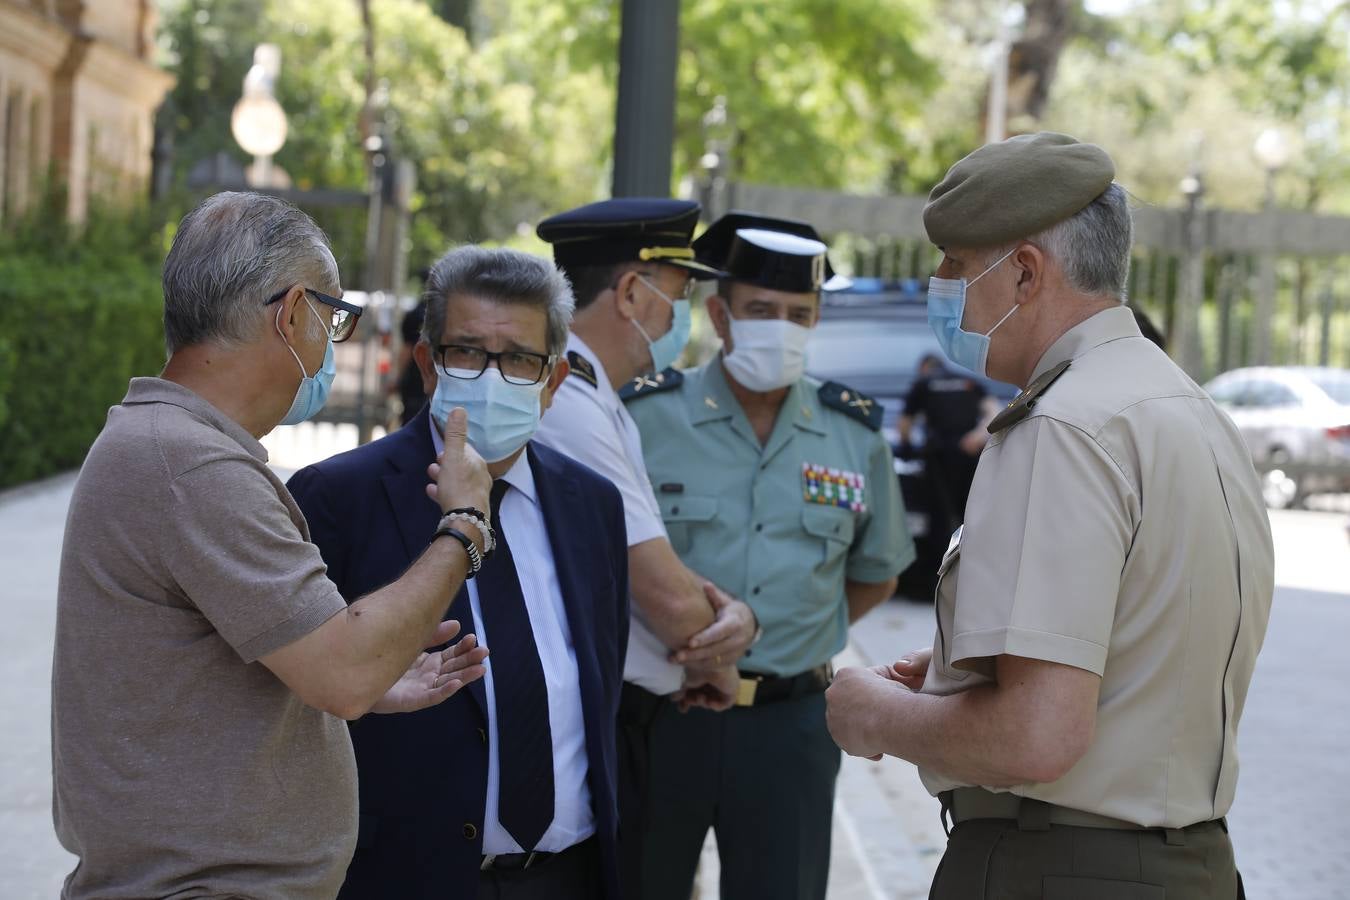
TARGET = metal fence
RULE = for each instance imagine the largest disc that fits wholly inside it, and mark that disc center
(1228, 288)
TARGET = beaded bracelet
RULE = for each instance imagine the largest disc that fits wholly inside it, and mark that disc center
(485, 531)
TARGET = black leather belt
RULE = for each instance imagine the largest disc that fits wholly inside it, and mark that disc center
(517, 862)
(757, 689)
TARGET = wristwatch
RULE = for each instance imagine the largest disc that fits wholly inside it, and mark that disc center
(475, 557)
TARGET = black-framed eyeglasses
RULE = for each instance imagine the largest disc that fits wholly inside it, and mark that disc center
(516, 366)
(342, 322)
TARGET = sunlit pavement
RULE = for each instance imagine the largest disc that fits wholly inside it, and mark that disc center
(1288, 825)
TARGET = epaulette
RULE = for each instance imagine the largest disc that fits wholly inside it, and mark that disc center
(582, 368)
(1025, 402)
(851, 403)
(644, 385)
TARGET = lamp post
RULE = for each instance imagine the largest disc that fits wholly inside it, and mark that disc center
(1272, 152)
(258, 122)
(719, 135)
(1185, 329)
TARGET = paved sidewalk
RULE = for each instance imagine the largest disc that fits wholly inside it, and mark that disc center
(1289, 827)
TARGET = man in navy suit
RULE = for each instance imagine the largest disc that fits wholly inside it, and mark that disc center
(508, 789)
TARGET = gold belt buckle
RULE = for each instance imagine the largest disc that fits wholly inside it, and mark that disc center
(745, 694)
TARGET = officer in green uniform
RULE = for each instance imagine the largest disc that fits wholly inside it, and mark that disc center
(779, 489)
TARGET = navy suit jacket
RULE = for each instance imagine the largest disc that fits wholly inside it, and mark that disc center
(423, 775)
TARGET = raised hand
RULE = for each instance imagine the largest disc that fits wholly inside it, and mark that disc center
(460, 476)
(436, 675)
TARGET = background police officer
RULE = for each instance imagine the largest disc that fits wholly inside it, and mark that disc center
(954, 408)
(630, 265)
(779, 489)
(1100, 613)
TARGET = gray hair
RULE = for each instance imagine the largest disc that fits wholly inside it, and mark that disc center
(231, 253)
(502, 276)
(1093, 245)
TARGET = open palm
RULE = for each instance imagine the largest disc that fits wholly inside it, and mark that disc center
(436, 675)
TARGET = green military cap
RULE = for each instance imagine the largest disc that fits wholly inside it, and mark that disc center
(1014, 189)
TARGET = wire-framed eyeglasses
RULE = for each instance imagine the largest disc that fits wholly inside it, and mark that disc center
(342, 321)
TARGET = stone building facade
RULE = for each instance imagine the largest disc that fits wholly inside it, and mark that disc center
(78, 93)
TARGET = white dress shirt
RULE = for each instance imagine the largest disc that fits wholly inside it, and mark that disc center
(591, 425)
(523, 524)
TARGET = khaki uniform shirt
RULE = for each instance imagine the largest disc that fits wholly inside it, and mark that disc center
(782, 525)
(1118, 528)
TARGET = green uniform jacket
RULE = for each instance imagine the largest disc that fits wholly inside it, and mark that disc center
(780, 525)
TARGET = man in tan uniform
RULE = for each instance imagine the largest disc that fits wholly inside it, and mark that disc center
(1099, 615)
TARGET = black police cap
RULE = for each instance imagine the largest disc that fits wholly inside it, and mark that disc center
(626, 229)
(780, 254)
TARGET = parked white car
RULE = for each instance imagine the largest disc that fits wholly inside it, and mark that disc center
(1296, 421)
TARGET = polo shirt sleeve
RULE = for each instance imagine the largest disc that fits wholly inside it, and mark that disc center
(1050, 521)
(239, 557)
(882, 548)
(579, 426)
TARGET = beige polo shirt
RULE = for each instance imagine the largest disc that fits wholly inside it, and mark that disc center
(182, 766)
(1119, 528)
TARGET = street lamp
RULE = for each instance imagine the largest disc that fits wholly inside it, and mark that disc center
(1185, 331)
(258, 122)
(1272, 152)
(719, 139)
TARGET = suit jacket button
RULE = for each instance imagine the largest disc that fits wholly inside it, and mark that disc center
(470, 831)
(482, 735)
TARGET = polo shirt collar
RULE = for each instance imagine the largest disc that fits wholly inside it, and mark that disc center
(160, 390)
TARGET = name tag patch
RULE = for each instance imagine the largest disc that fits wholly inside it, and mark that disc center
(833, 487)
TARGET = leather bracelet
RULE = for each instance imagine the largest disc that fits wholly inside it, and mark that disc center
(475, 557)
(485, 531)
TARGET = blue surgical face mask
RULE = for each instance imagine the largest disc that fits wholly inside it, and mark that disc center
(502, 416)
(946, 309)
(312, 393)
(666, 349)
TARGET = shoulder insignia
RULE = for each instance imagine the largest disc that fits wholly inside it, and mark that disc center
(582, 368)
(643, 385)
(851, 403)
(1025, 402)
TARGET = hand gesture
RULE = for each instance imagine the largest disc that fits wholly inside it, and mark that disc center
(724, 641)
(436, 675)
(459, 476)
(713, 689)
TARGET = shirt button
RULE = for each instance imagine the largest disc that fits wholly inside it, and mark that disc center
(470, 831)
(756, 590)
(674, 510)
(759, 527)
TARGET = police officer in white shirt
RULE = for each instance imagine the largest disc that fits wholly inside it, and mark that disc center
(631, 268)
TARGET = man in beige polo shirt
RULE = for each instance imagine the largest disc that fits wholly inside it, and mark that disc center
(203, 658)
(1100, 613)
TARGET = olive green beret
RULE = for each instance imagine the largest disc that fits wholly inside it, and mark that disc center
(1014, 189)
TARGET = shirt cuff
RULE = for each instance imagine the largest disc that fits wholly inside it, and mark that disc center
(1042, 645)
